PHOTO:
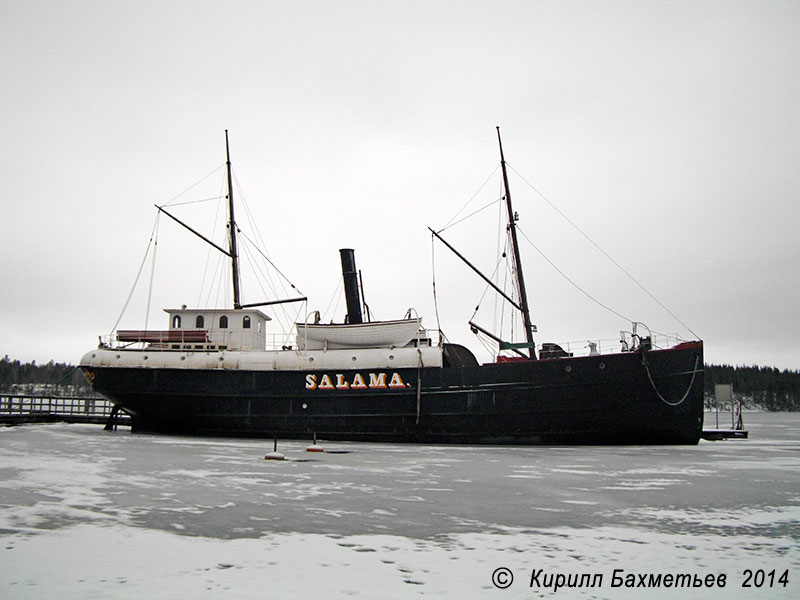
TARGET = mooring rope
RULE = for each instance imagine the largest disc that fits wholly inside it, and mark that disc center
(419, 383)
(652, 383)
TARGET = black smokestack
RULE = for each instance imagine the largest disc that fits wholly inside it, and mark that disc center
(351, 295)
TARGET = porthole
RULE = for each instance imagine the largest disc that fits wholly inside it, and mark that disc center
(391, 357)
(602, 365)
(568, 368)
(305, 406)
(353, 359)
(310, 359)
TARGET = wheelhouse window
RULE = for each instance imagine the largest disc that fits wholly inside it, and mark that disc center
(176, 322)
(223, 322)
(199, 322)
(246, 322)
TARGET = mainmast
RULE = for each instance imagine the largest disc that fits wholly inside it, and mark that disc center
(232, 250)
(234, 253)
(523, 295)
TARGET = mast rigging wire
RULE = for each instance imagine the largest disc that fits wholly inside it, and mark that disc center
(337, 296)
(138, 273)
(152, 276)
(208, 256)
(196, 183)
(433, 283)
(277, 270)
(257, 243)
(565, 276)
(453, 224)
(196, 201)
(608, 256)
(467, 203)
(486, 289)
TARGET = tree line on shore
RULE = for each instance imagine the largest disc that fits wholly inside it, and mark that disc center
(22, 377)
(756, 387)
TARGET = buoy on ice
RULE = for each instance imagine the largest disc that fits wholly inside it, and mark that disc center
(315, 447)
(274, 455)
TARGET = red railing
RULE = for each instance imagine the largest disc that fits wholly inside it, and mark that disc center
(168, 336)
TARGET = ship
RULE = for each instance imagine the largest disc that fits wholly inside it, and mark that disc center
(210, 373)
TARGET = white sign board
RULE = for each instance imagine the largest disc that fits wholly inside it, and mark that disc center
(723, 393)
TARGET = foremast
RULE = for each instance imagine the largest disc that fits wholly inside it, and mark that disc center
(522, 305)
(520, 277)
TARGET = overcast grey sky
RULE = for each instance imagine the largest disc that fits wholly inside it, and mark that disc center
(668, 131)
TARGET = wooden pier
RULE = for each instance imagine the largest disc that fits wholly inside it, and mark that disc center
(16, 409)
(714, 435)
(723, 394)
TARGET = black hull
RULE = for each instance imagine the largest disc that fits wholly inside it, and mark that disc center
(654, 397)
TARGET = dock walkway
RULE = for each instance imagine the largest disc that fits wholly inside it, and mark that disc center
(16, 409)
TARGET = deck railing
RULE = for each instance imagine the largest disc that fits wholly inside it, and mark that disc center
(168, 341)
(614, 345)
(282, 341)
